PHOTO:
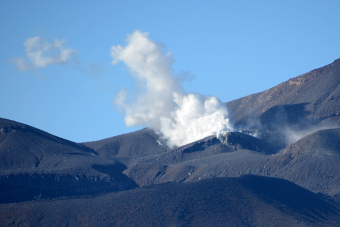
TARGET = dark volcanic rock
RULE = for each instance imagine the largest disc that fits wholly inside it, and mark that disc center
(228, 142)
(244, 201)
(24, 147)
(178, 164)
(312, 162)
(310, 99)
(25, 187)
(37, 164)
(137, 143)
(313, 96)
(209, 146)
(240, 141)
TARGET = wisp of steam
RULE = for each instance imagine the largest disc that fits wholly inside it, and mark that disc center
(162, 104)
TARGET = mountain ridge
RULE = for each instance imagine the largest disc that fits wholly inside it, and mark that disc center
(293, 88)
(35, 163)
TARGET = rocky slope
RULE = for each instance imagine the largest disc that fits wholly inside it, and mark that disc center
(313, 96)
(37, 164)
(142, 142)
(286, 114)
(243, 201)
(312, 162)
(301, 103)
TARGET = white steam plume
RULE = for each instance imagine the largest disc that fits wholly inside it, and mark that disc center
(40, 54)
(292, 135)
(163, 105)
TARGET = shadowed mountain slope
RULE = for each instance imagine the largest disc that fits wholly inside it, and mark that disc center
(244, 201)
(142, 142)
(37, 164)
(210, 146)
(177, 165)
(24, 147)
(311, 162)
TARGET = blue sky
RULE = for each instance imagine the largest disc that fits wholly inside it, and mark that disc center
(231, 48)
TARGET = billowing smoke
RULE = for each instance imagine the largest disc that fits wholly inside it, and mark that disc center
(40, 53)
(161, 103)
